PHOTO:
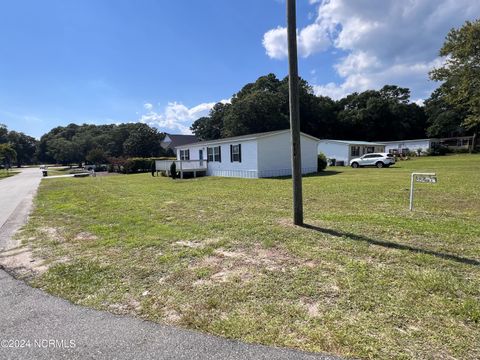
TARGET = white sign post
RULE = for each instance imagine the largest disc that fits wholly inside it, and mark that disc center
(430, 178)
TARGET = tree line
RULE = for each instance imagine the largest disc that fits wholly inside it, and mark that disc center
(386, 114)
(16, 148)
(73, 143)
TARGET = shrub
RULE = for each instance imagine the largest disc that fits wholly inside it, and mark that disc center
(438, 150)
(321, 162)
(153, 167)
(173, 170)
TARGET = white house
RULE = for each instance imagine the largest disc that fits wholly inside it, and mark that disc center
(409, 145)
(250, 156)
(345, 150)
(400, 146)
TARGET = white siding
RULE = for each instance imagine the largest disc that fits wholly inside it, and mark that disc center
(246, 168)
(335, 150)
(274, 155)
(411, 145)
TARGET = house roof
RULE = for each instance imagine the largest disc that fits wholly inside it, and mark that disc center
(179, 140)
(354, 142)
(247, 137)
(402, 141)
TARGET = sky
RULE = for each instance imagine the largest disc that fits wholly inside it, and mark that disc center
(166, 63)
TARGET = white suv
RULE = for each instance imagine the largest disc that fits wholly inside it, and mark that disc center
(375, 159)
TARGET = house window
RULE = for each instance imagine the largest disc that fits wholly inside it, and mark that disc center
(214, 154)
(355, 151)
(185, 154)
(236, 153)
(370, 149)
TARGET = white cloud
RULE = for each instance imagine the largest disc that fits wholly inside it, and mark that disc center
(176, 117)
(275, 43)
(383, 41)
(310, 40)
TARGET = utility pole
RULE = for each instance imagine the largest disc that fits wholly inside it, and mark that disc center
(294, 113)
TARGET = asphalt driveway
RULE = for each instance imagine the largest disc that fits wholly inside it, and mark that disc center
(35, 325)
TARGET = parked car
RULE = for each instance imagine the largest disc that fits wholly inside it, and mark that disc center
(375, 159)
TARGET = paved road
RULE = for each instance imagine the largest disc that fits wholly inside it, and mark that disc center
(51, 328)
(16, 195)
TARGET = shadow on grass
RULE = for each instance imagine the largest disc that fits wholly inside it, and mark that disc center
(393, 245)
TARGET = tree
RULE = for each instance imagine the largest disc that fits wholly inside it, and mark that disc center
(96, 156)
(443, 119)
(210, 127)
(64, 152)
(3, 134)
(143, 141)
(461, 72)
(7, 155)
(258, 107)
(25, 146)
(380, 115)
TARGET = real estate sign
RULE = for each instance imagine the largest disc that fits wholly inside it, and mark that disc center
(427, 178)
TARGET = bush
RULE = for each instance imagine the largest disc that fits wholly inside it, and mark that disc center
(438, 150)
(321, 162)
(173, 170)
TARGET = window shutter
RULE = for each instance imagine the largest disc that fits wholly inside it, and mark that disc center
(231, 153)
(220, 154)
(239, 152)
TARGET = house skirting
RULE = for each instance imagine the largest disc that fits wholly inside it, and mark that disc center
(254, 174)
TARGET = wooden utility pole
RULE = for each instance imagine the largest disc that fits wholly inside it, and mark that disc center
(294, 113)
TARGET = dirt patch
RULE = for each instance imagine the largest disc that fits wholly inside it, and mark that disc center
(51, 233)
(171, 316)
(189, 244)
(246, 264)
(286, 222)
(132, 306)
(85, 236)
(311, 307)
(20, 261)
(198, 244)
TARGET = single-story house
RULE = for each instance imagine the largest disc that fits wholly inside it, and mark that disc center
(259, 155)
(402, 146)
(171, 141)
(345, 150)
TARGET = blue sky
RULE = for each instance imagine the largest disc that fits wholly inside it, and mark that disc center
(167, 62)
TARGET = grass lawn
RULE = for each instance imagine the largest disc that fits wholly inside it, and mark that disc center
(367, 278)
(5, 173)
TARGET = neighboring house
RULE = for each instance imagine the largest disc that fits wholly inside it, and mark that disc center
(171, 141)
(345, 150)
(404, 146)
(250, 156)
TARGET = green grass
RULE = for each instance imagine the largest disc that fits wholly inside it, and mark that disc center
(4, 173)
(366, 279)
